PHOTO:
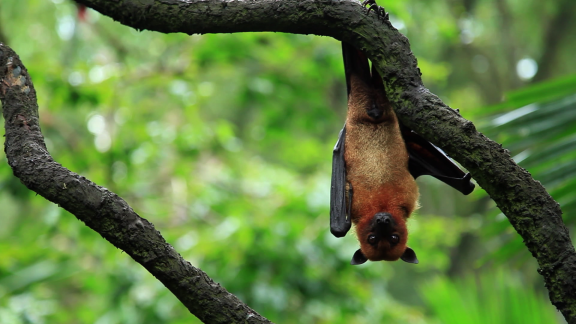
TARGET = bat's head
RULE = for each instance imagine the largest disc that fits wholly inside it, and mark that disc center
(383, 237)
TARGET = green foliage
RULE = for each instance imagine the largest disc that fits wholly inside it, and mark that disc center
(537, 124)
(224, 142)
(499, 298)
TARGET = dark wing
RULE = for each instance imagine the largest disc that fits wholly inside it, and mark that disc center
(355, 63)
(340, 221)
(428, 159)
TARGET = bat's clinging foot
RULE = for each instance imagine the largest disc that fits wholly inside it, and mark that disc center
(380, 11)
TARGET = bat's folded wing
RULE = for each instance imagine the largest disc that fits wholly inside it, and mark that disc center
(428, 159)
(340, 221)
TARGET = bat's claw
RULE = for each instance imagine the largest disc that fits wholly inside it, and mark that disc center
(380, 11)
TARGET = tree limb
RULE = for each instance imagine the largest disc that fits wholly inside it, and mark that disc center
(532, 212)
(100, 209)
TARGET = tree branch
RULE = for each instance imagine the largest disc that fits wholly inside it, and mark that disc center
(532, 212)
(100, 209)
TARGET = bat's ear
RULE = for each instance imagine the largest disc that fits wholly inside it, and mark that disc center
(358, 258)
(409, 256)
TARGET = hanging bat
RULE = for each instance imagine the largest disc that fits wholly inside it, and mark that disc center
(374, 166)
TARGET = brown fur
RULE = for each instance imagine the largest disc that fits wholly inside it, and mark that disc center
(377, 169)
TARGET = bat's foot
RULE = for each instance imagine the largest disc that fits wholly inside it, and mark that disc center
(380, 11)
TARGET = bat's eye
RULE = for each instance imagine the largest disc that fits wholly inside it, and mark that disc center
(372, 239)
(394, 239)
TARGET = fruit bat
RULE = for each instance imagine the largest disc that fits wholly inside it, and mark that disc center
(374, 166)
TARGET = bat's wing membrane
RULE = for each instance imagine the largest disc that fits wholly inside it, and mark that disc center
(340, 221)
(428, 159)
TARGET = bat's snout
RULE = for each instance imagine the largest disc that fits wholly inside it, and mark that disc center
(383, 218)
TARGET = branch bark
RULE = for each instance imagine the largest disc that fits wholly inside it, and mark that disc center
(532, 212)
(102, 210)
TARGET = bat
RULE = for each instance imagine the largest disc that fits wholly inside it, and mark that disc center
(374, 166)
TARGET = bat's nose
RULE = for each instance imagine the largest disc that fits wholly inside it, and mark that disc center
(383, 218)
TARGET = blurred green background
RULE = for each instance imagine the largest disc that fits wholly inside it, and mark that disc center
(224, 142)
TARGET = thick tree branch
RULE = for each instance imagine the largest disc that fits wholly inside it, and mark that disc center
(100, 209)
(532, 212)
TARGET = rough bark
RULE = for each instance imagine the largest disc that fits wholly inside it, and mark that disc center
(100, 209)
(530, 209)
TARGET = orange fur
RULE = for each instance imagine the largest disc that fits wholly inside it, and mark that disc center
(377, 169)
